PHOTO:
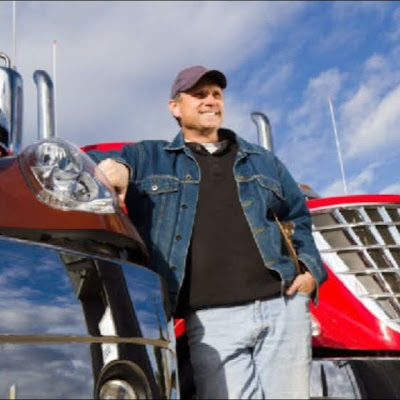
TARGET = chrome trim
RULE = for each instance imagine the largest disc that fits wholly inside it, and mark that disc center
(353, 225)
(354, 358)
(369, 272)
(361, 244)
(83, 339)
(380, 296)
(359, 248)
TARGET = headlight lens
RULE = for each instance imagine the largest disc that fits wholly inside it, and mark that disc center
(117, 389)
(63, 177)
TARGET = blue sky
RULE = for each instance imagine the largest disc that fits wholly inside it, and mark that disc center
(116, 62)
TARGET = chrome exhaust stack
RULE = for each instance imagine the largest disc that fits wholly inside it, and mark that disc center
(263, 130)
(45, 101)
(11, 108)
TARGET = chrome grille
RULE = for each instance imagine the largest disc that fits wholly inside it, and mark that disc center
(361, 244)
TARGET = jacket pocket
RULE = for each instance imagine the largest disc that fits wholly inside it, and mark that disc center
(158, 196)
(270, 184)
(156, 185)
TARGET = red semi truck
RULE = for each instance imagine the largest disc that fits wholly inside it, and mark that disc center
(82, 317)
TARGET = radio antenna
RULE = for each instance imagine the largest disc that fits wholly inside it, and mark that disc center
(54, 85)
(337, 145)
(14, 41)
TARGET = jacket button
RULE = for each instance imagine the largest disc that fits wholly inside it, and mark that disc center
(184, 206)
(154, 187)
(188, 177)
(172, 267)
(178, 237)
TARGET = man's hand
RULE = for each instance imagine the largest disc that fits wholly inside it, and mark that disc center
(304, 283)
(117, 175)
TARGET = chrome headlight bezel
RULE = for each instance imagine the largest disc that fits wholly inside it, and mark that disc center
(64, 177)
(124, 375)
(117, 389)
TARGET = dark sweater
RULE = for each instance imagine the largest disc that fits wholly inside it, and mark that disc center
(224, 265)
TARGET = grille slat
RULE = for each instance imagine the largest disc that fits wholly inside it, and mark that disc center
(381, 296)
(354, 225)
(370, 272)
(359, 248)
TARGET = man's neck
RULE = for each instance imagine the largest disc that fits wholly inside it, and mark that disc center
(206, 136)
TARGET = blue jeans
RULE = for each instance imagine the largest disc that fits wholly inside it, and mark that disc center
(259, 350)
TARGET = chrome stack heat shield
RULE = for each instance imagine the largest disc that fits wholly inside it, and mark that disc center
(45, 100)
(263, 130)
(11, 108)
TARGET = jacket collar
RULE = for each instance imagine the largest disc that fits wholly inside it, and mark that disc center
(244, 146)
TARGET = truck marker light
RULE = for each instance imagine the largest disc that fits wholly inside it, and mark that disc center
(315, 327)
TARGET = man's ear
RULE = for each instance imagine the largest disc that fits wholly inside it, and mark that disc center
(174, 108)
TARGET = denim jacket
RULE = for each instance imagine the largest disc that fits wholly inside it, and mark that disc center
(162, 198)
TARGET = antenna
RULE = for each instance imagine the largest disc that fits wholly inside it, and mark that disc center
(54, 85)
(14, 41)
(337, 145)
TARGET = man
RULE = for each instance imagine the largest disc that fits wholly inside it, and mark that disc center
(205, 206)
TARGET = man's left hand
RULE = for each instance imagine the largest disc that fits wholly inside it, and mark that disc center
(304, 283)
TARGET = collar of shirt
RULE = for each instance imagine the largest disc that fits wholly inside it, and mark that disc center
(224, 143)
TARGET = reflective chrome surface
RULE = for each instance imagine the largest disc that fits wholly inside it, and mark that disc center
(263, 130)
(45, 104)
(11, 101)
(66, 316)
(361, 243)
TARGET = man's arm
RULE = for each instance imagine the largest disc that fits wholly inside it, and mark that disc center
(113, 166)
(295, 210)
(117, 175)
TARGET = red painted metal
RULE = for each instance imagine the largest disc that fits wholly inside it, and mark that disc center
(105, 146)
(353, 199)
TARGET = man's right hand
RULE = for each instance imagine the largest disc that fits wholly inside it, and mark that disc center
(117, 175)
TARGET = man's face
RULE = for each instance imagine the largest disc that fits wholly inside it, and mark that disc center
(201, 108)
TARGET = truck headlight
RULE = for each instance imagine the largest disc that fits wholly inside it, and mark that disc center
(63, 177)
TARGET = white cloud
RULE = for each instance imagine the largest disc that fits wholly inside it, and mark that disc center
(391, 189)
(369, 117)
(310, 140)
(349, 10)
(54, 372)
(116, 60)
(394, 33)
(358, 184)
(378, 128)
(326, 84)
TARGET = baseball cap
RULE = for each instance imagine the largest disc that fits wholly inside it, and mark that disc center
(188, 77)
